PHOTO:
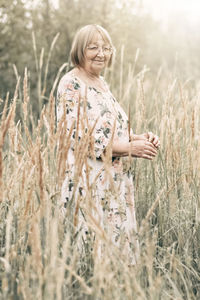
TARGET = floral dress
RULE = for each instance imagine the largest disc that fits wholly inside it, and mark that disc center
(109, 208)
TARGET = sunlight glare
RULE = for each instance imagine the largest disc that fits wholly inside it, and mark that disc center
(165, 9)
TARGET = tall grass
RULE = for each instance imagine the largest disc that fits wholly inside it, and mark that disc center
(38, 256)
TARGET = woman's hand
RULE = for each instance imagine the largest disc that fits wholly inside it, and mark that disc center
(149, 136)
(142, 148)
(154, 139)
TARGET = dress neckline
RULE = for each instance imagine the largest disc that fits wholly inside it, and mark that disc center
(92, 87)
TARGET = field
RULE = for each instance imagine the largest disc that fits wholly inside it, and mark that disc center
(38, 259)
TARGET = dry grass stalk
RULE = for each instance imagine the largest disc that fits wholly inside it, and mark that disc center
(48, 61)
(40, 249)
(26, 96)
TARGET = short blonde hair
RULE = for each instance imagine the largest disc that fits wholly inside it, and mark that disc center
(83, 38)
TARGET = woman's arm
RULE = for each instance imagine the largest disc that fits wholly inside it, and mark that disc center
(140, 148)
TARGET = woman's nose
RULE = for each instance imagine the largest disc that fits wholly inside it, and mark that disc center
(100, 52)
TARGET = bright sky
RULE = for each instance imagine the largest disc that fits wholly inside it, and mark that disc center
(163, 9)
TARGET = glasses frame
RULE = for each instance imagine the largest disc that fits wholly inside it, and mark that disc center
(109, 51)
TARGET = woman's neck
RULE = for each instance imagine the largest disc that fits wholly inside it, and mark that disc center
(90, 79)
(88, 74)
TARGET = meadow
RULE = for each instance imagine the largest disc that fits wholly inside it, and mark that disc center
(38, 259)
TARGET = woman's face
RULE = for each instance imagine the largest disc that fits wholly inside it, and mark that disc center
(97, 55)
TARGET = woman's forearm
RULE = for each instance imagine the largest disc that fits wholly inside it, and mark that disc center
(140, 148)
(120, 148)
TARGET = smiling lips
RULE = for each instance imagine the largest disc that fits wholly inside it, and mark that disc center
(101, 61)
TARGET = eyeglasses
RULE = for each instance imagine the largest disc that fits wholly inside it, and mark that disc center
(95, 49)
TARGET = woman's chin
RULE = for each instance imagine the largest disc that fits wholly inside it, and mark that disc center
(98, 66)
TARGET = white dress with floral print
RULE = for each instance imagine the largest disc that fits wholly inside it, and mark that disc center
(112, 187)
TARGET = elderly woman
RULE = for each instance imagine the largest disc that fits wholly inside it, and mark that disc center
(100, 192)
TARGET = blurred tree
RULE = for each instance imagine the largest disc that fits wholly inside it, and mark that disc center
(130, 27)
(15, 42)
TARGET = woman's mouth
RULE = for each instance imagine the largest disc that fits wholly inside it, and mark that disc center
(99, 61)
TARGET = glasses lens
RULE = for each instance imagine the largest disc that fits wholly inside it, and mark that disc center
(107, 50)
(96, 49)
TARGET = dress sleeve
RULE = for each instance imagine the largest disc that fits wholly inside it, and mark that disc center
(67, 102)
(70, 92)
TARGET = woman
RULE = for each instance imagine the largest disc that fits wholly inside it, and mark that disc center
(96, 184)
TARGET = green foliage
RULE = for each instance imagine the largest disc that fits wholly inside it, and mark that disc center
(130, 28)
(15, 43)
(37, 248)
